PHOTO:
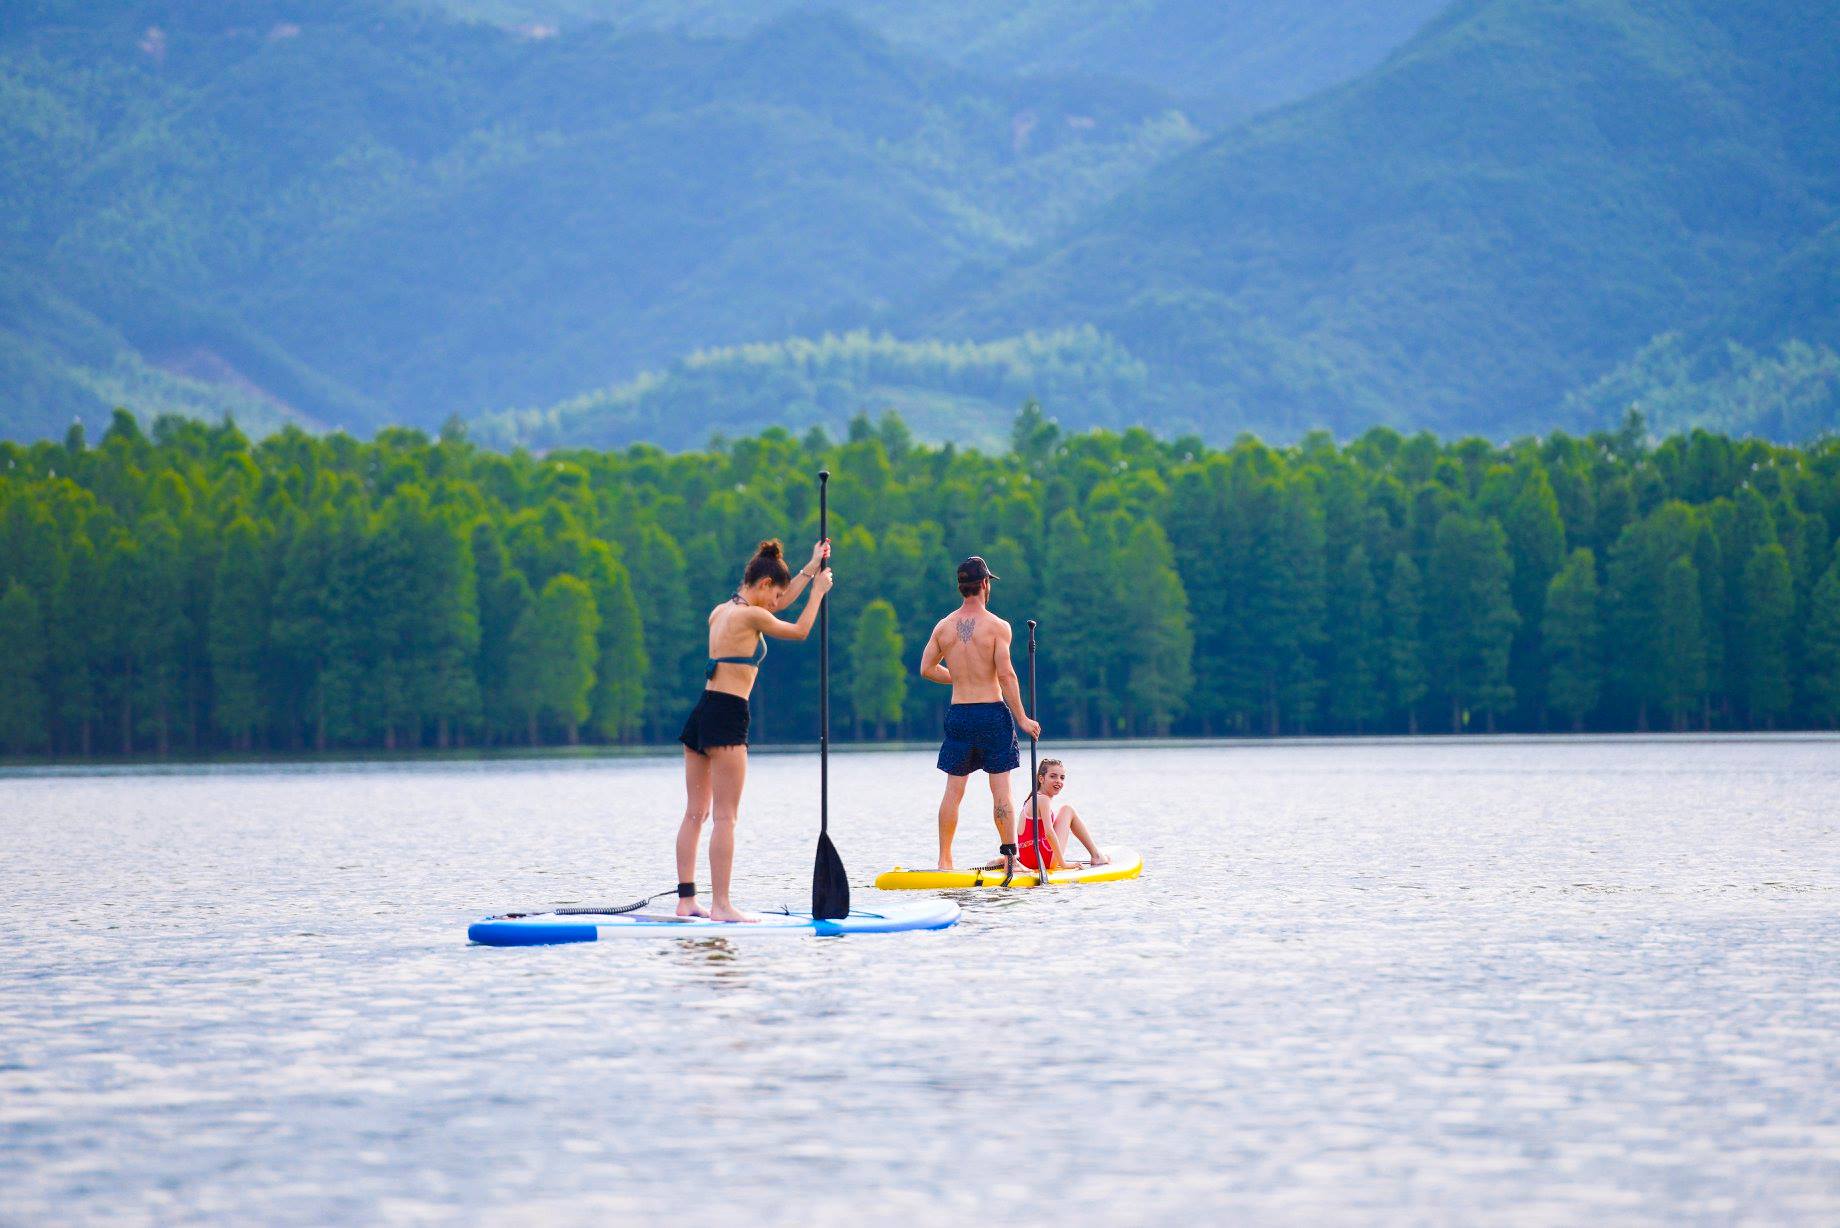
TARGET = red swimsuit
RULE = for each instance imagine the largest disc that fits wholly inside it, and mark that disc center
(1025, 844)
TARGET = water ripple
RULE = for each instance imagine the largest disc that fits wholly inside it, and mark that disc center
(1439, 983)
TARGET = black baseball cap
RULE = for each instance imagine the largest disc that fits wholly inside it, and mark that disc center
(975, 570)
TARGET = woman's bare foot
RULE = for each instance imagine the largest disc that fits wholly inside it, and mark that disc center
(690, 908)
(728, 912)
(1099, 859)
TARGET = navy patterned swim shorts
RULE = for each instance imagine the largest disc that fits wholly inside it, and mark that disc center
(979, 736)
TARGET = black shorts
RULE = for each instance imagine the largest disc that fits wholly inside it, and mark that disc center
(979, 736)
(719, 719)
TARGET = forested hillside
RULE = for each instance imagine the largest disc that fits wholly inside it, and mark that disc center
(943, 391)
(1764, 362)
(1513, 204)
(190, 590)
(1226, 55)
(355, 214)
(375, 213)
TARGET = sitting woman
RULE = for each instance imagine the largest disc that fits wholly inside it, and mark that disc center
(1062, 821)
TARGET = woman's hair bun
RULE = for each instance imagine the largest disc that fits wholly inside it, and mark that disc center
(767, 565)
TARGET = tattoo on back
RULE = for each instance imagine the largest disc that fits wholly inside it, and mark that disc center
(965, 627)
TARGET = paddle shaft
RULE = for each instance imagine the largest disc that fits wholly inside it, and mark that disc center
(824, 665)
(1041, 856)
(830, 883)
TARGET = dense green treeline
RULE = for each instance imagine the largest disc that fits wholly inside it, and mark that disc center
(186, 589)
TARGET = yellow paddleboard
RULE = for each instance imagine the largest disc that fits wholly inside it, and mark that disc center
(1124, 863)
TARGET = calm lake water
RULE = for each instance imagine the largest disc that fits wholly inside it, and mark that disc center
(1561, 982)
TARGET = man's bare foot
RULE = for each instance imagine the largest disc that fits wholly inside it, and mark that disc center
(690, 908)
(945, 863)
(728, 912)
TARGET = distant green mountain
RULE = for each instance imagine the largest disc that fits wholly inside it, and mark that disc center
(1514, 203)
(355, 213)
(1791, 392)
(1237, 54)
(371, 211)
(963, 392)
(65, 364)
(1765, 363)
(1796, 301)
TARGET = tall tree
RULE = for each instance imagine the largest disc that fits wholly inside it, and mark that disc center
(1473, 620)
(1246, 594)
(76, 642)
(363, 684)
(1661, 653)
(1745, 527)
(1709, 562)
(1356, 636)
(673, 638)
(1571, 634)
(1295, 631)
(1536, 545)
(1033, 435)
(29, 546)
(917, 580)
(427, 628)
(1159, 641)
(878, 672)
(504, 595)
(1407, 677)
(552, 657)
(618, 700)
(23, 727)
(1076, 575)
(1821, 648)
(301, 630)
(145, 598)
(1769, 604)
(238, 634)
(1195, 524)
(1682, 641)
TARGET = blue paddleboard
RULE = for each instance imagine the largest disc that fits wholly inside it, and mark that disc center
(544, 929)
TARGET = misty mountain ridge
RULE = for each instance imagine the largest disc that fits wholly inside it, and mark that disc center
(1220, 58)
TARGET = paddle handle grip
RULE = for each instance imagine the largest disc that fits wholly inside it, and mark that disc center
(1032, 626)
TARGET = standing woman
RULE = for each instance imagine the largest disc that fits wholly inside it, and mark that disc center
(715, 736)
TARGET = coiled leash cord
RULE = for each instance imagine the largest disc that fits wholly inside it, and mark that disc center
(683, 891)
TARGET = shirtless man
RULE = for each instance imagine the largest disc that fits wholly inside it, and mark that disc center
(969, 652)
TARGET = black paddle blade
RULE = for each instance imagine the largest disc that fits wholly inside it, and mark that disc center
(830, 886)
